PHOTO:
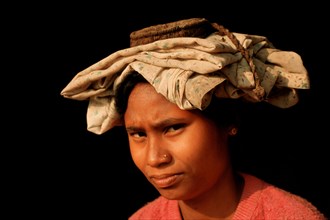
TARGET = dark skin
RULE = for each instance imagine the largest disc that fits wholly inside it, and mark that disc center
(196, 170)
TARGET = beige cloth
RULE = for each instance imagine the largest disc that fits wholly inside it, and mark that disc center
(188, 71)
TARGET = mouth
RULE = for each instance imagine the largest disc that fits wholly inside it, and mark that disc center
(165, 181)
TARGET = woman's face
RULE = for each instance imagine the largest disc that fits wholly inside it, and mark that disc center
(180, 152)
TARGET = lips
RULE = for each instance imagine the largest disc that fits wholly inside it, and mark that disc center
(165, 181)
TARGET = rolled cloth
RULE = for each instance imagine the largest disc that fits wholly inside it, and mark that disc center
(189, 62)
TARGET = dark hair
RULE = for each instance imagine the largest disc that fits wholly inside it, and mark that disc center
(224, 112)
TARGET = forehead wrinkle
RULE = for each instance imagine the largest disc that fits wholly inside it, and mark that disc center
(156, 124)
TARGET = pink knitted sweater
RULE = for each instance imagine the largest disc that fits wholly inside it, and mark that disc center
(259, 200)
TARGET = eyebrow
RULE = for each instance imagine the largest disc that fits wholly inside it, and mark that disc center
(159, 124)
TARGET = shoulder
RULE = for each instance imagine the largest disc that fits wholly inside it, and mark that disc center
(160, 208)
(275, 202)
(281, 202)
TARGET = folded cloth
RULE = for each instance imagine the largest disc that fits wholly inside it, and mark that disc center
(189, 71)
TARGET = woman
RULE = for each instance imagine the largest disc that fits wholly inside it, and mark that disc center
(185, 156)
(176, 91)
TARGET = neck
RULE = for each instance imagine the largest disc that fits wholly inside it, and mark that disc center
(220, 202)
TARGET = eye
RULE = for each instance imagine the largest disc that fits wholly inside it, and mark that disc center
(174, 128)
(137, 134)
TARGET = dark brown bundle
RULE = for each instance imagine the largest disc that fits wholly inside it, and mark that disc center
(193, 27)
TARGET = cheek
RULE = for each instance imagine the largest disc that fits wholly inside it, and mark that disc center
(205, 148)
(138, 156)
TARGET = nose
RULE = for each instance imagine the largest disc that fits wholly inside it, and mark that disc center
(157, 154)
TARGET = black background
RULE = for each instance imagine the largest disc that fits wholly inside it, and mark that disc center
(62, 170)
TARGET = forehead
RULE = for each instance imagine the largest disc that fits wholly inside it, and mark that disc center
(145, 98)
(145, 103)
(144, 91)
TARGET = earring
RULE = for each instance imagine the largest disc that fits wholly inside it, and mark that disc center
(233, 131)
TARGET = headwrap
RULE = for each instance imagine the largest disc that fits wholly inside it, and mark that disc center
(189, 62)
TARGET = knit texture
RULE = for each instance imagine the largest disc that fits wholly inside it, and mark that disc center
(260, 200)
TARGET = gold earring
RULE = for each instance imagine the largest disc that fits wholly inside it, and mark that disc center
(233, 131)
